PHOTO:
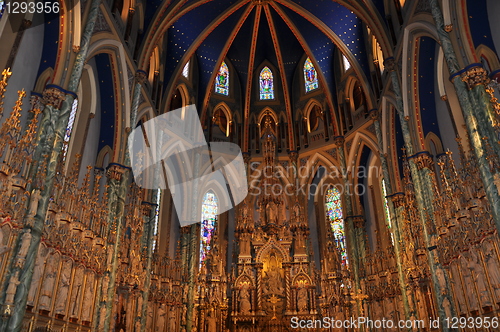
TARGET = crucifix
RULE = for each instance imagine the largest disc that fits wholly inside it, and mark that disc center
(358, 299)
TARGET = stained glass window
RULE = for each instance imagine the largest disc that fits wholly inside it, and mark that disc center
(386, 209)
(310, 76)
(266, 84)
(157, 217)
(69, 128)
(208, 218)
(336, 219)
(222, 80)
(2, 6)
(346, 62)
(185, 70)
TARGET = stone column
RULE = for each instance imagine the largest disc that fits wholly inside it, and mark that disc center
(476, 79)
(149, 213)
(118, 179)
(52, 139)
(193, 255)
(476, 118)
(426, 209)
(394, 215)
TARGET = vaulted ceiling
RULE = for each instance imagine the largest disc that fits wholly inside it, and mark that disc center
(249, 32)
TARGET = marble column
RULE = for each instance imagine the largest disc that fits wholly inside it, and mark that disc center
(52, 140)
(476, 118)
(149, 225)
(119, 179)
(424, 203)
(394, 215)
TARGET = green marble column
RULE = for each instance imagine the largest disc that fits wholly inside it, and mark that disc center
(194, 251)
(51, 138)
(476, 79)
(114, 176)
(441, 287)
(117, 193)
(119, 176)
(396, 217)
(149, 226)
(476, 121)
(150, 217)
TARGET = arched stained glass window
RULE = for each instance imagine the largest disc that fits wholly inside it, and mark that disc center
(335, 217)
(386, 210)
(266, 84)
(310, 76)
(69, 128)
(209, 212)
(222, 80)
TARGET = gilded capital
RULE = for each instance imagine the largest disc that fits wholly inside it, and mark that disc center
(358, 221)
(115, 172)
(53, 96)
(423, 160)
(475, 76)
(398, 200)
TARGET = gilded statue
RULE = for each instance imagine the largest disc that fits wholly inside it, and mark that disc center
(244, 298)
(271, 212)
(302, 300)
(273, 283)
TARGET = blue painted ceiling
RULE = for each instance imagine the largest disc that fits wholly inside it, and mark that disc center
(295, 25)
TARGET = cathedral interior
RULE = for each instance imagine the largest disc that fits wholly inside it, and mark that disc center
(369, 136)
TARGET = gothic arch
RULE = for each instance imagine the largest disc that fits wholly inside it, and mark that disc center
(272, 246)
(411, 33)
(357, 142)
(486, 53)
(315, 162)
(301, 276)
(146, 112)
(433, 139)
(102, 154)
(44, 79)
(117, 53)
